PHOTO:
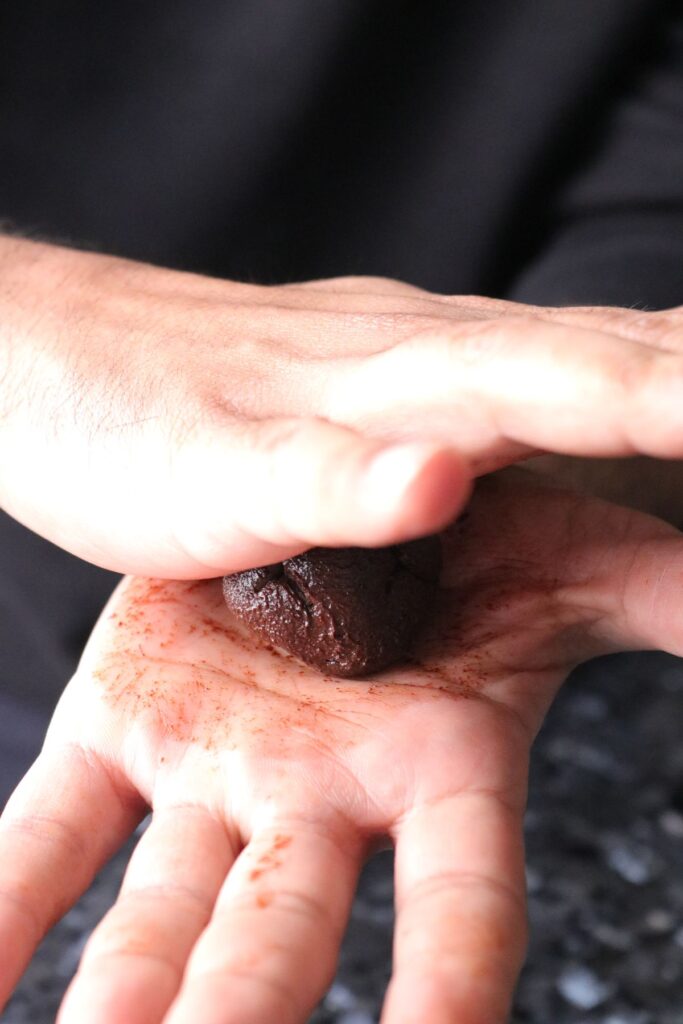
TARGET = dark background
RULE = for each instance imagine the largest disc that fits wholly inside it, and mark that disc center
(526, 150)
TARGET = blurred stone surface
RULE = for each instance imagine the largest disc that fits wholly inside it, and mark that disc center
(605, 870)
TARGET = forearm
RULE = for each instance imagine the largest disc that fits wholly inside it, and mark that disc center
(83, 360)
(41, 287)
(26, 279)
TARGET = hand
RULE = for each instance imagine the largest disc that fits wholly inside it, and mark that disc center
(270, 784)
(169, 424)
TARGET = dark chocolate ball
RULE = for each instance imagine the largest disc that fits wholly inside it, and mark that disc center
(347, 611)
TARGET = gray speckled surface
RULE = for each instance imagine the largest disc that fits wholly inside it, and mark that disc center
(605, 878)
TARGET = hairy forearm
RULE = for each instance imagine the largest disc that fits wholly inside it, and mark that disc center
(23, 283)
(36, 304)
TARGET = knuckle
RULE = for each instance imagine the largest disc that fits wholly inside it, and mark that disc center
(187, 423)
(292, 902)
(122, 931)
(365, 283)
(629, 373)
(369, 281)
(182, 896)
(397, 323)
(616, 321)
(659, 328)
(275, 437)
(23, 907)
(452, 883)
(281, 989)
(60, 835)
(650, 327)
(495, 914)
(372, 283)
(205, 412)
(474, 342)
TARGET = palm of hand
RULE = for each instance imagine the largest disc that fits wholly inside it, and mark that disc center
(232, 744)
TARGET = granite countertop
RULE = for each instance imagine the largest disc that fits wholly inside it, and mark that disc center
(604, 870)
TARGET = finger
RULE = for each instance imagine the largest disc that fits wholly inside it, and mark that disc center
(66, 818)
(133, 964)
(281, 486)
(636, 591)
(271, 948)
(461, 925)
(563, 388)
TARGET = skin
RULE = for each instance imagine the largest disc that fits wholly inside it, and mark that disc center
(270, 784)
(169, 424)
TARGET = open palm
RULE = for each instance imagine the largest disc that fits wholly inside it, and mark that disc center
(270, 784)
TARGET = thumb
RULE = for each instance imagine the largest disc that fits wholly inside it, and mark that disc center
(260, 492)
(641, 607)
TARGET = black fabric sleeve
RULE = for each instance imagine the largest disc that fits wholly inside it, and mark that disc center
(616, 233)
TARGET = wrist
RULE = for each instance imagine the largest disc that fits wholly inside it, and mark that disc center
(27, 283)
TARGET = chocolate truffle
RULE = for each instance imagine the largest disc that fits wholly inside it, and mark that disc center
(347, 611)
